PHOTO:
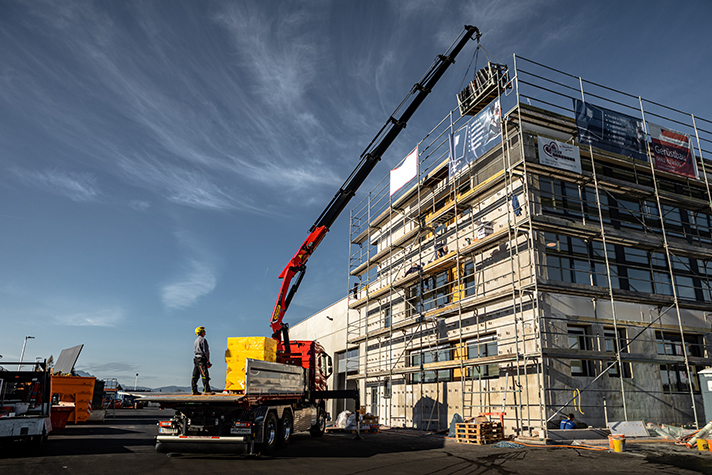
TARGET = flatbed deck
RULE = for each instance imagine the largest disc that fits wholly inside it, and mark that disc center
(193, 398)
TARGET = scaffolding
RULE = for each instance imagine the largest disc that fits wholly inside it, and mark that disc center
(508, 283)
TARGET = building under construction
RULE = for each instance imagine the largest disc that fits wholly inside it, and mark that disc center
(552, 254)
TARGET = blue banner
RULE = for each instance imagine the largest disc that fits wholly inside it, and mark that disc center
(479, 136)
(610, 130)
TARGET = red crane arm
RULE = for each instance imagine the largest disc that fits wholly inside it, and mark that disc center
(297, 265)
(369, 158)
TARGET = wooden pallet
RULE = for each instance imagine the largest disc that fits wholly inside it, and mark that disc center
(480, 434)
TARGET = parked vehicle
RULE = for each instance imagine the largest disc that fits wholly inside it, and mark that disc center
(25, 405)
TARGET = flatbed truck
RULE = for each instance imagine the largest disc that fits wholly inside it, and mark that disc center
(278, 400)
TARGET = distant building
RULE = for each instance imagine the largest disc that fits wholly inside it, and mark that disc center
(513, 272)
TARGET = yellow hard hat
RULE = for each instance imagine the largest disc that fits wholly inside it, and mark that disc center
(199, 329)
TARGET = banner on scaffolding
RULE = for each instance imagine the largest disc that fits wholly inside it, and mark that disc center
(559, 155)
(458, 152)
(483, 131)
(609, 130)
(404, 173)
(476, 138)
(672, 151)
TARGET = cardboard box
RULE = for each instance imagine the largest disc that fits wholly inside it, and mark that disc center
(239, 349)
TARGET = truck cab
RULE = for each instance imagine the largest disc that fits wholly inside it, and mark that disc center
(311, 356)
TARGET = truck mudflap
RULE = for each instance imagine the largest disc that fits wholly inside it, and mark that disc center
(203, 444)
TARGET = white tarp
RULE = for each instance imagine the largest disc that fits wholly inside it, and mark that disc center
(404, 173)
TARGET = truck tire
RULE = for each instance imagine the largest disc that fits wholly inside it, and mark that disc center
(271, 434)
(286, 428)
(318, 429)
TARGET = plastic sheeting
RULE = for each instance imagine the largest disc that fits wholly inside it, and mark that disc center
(346, 420)
(456, 419)
(667, 432)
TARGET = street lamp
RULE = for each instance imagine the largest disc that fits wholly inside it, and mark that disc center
(22, 355)
(136, 382)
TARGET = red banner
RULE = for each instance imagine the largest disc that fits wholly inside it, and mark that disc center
(672, 152)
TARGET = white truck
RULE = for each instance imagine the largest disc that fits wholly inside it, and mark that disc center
(24, 406)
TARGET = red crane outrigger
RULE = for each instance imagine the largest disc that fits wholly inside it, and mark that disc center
(369, 158)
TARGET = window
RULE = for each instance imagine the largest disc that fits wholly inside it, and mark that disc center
(612, 345)
(387, 321)
(638, 270)
(578, 340)
(574, 260)
(352, 361)
(674, 376)
(480, 348)
(430, 293)
(374, 400)
(423, 357)
(469, 279)
(341, 362)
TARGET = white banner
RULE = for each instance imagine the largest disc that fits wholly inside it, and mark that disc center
(404, 173)
(559, 154)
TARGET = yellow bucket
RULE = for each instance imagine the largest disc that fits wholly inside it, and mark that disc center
(703, 445)
(616, 443)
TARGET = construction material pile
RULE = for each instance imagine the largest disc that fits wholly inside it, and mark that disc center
(239, 350)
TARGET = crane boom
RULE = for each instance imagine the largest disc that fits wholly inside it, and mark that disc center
(370, 156)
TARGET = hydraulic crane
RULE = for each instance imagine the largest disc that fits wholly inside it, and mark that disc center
(297, 266)
(288, 393)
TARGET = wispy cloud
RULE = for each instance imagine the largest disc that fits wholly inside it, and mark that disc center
(80, 187)
(101, 318)
(198, 275)
(179, 185)
(198, 280)
(139, 205)
(210, 114)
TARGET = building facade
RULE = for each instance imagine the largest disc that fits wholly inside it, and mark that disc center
(545, 260)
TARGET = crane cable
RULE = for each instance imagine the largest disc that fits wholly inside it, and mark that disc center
(474, 58)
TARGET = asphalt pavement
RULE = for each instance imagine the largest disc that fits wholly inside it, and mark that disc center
(124, 444)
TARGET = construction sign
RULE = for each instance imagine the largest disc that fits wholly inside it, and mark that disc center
(671, 151)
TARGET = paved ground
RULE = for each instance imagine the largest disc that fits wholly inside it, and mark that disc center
(124, 445)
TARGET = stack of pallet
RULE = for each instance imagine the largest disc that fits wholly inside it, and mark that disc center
(479, 433)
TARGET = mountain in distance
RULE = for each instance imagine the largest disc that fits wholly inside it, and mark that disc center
(130, 387)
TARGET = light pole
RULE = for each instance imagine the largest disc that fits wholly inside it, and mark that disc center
(136, 382)
(22, 355)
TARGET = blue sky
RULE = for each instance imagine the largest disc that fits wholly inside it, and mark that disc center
(163, 160)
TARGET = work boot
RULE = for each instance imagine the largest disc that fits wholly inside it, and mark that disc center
(196, 393)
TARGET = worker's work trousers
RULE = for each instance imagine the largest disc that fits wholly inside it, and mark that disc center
(200, 370)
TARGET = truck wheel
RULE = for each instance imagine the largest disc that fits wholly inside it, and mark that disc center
(318, 429)
(271, 434)
(285, 429)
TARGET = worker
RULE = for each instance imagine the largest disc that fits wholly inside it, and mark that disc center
(413, 269)
(568, 423)
(201, 362)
